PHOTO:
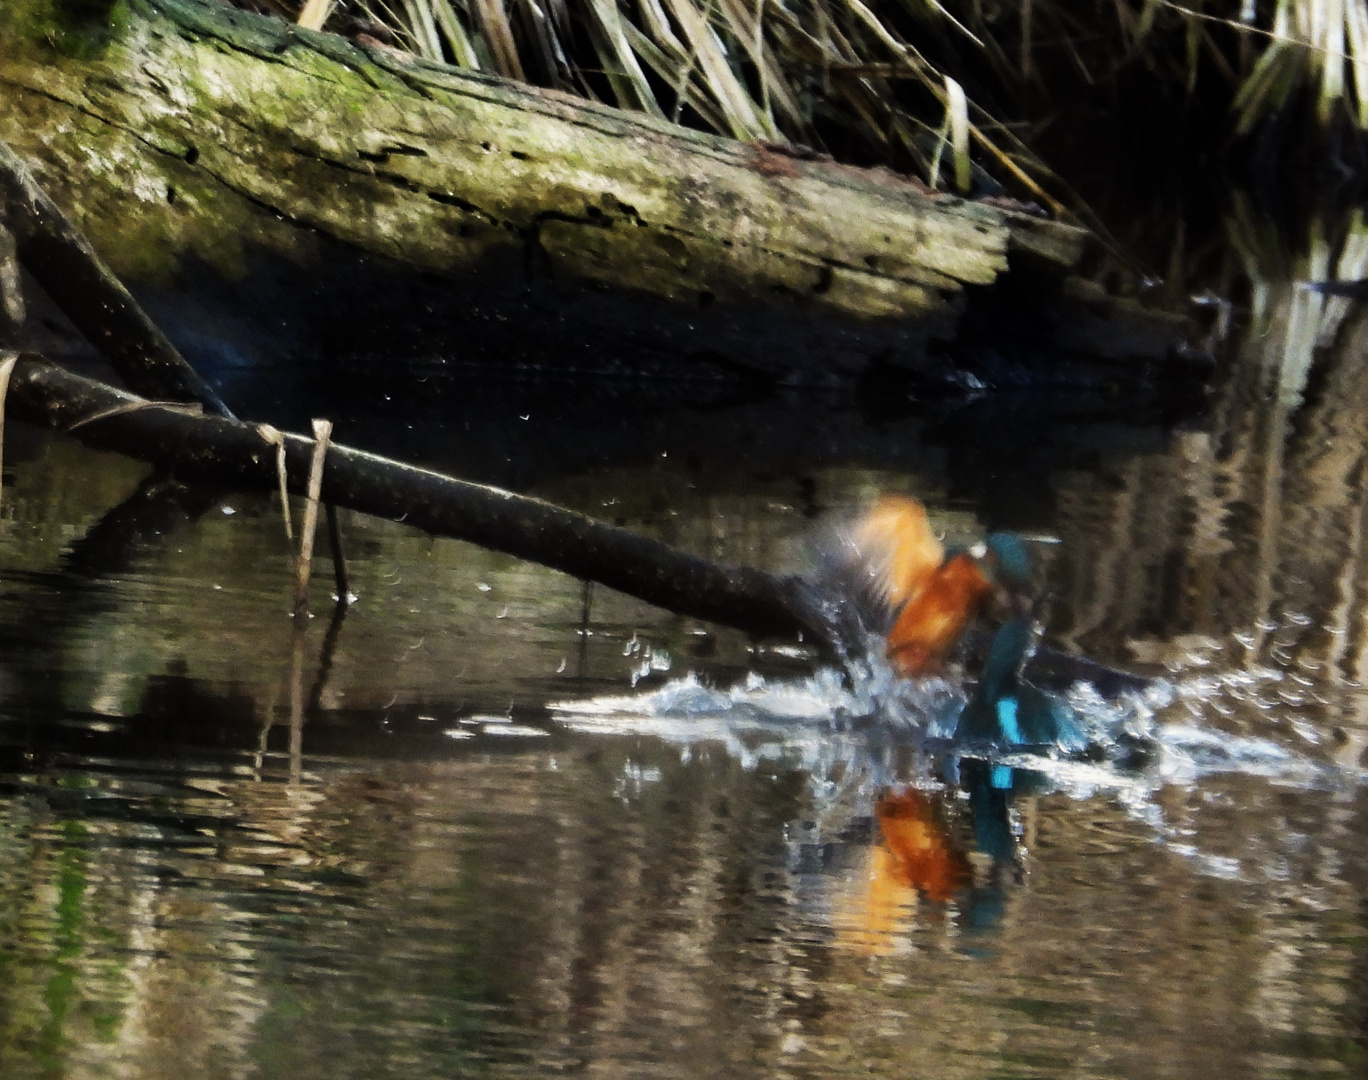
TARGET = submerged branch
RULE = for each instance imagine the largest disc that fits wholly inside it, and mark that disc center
(228, 453)
(65, 264)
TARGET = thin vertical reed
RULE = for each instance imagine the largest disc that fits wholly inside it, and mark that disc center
(322, 430)
(316, 13)
(7, 362)
(275, 438)
(339, 558)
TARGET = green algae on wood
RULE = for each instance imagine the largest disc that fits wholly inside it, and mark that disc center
(200, 131)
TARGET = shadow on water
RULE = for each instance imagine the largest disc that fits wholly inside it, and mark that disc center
(495, 821)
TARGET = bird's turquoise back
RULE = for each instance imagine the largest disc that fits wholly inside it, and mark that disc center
(1007, 709)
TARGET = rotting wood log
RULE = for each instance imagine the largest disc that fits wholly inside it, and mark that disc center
(225, 453)
(185, 131)
(96, 302)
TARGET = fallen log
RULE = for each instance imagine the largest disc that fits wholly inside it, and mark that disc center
(441, 165)
(190, 136)
(230, 454)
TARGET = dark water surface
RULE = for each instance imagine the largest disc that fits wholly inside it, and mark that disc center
(494, 822)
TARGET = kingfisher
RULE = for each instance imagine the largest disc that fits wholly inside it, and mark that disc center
(932, 596)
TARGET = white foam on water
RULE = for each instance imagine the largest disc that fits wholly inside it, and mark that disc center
(854, 732)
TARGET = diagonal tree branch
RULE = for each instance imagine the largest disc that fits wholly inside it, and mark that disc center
(64, 263)
(231, 454)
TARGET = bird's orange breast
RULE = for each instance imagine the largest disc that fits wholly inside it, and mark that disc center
(931, 622)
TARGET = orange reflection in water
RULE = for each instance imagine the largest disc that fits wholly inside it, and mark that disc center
(920, 846)
(915, 861)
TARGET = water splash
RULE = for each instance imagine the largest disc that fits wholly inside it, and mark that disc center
(857, 732)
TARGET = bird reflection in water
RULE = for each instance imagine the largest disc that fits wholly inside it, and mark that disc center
(921, 862)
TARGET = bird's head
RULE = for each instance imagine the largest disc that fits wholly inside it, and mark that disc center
(1007, 563)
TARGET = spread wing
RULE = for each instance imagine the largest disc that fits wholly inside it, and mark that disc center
(895, 550)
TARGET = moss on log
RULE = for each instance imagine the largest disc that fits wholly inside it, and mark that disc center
(177, 130)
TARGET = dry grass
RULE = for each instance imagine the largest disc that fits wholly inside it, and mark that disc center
(924, 87)
(1290, 314)
(1270, 52)
(810, 72)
